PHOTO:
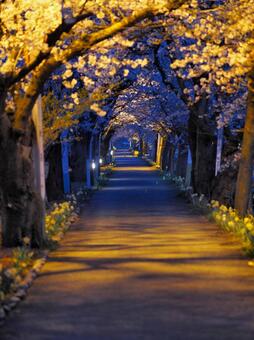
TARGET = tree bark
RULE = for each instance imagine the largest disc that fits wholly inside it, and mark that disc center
(54, 181)
(21, 206)
(223, 186)
(203, 149)
(166, 153)
(244, 177)
(161, 141)
(172, 159)
(78, 160)
(144, 146)
(105, 145)
(181, 165)
(98, 155)
(89, 171)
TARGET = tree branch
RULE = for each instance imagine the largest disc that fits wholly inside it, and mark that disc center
(43, 71)
(52, 38)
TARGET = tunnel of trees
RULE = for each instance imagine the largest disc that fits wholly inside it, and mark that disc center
(173, 77)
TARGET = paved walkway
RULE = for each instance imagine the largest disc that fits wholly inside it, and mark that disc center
(139, 265)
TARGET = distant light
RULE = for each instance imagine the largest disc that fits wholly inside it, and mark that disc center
(93, 165)
(111, 152)
(101, 161)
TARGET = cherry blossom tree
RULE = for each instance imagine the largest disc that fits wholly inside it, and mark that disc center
(31, 48)
(219, 53)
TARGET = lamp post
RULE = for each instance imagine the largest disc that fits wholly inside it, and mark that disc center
(111, 156)
(93, 165)
(65, 148)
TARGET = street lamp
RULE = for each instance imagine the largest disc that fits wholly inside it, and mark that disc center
(101, 161)
(93, 165)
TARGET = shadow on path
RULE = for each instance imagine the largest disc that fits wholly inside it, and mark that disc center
(139, 264)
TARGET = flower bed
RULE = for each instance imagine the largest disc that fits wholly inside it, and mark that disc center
(16, 274)
(226, 218)
(58, 220)
(18, 269)
(13, 269)
(229, 220)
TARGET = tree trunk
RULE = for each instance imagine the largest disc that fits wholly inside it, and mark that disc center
(54, 182)
(223, 186)
(141, 146)
(171, 159)
(95, 158)
(105, 144)
(161, 141)
(78, 160)
(21, 206)
(181, 165)
(89, 171)
(166, 155)
(144, 146)
(203, 149)
(244, 178)
(98, 156)
(65, 162)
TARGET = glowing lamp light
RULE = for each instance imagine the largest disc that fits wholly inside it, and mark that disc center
(93, 165)
(101, 161)
(111, 152)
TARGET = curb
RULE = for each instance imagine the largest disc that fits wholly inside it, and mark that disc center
(22, 290)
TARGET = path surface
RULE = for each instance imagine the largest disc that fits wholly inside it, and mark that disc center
(139, 265)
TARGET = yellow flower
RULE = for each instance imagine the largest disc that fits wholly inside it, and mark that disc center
(223, 208)
(214, 203)
(249, 226)
(11, 272)
(26, 241)
(18, 279)
(23, 264)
